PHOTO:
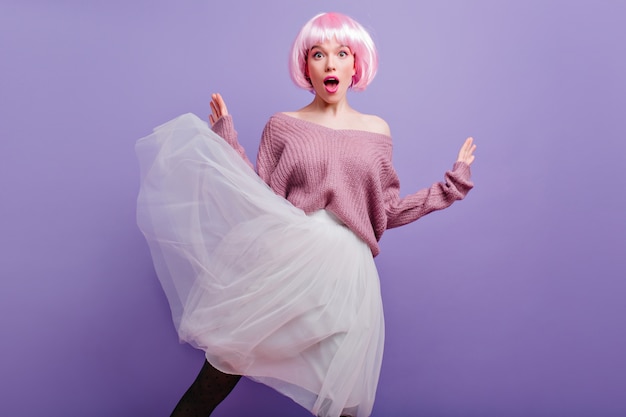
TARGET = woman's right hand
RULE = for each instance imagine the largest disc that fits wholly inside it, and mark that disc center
(218, 108)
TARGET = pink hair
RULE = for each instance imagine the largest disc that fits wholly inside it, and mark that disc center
(345, 30)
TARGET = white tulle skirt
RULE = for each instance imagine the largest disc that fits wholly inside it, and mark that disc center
(287, 299)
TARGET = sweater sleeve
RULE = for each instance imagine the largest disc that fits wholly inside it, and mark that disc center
(225, 128)
(440, 195)
(267, 160)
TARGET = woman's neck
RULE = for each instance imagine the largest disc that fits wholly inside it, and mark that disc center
(324, 108)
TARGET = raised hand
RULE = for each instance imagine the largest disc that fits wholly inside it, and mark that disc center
(218, 108)
(466, 154)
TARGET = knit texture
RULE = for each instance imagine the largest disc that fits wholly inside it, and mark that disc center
(347, 172)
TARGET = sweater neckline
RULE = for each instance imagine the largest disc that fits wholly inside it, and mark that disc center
(291, 118)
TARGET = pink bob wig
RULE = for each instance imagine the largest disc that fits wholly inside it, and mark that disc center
(346, 31)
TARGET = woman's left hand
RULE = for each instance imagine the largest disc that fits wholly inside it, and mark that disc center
(466, 154)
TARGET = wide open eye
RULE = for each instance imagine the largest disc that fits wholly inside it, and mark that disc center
(317, 55)
(344, 52)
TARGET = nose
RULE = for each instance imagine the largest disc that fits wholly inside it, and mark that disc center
(330, 65)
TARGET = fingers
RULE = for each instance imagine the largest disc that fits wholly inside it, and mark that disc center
(466, 154)
(213, 116)
(218, 108)
(219, 104)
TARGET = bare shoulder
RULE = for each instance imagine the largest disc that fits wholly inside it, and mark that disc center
(294, 114)
(375, 124)
(352, 120)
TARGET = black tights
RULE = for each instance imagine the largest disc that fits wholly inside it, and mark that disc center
(207, 391)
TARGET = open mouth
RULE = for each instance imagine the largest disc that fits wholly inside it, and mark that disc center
(331, 84)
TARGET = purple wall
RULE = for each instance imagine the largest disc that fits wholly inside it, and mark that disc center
(511, 303)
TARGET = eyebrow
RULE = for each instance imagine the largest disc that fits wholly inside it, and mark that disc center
(320, 47)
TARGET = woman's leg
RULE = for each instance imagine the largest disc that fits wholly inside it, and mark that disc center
(207, 391)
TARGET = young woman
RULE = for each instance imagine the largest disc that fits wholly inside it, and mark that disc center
(271, 273)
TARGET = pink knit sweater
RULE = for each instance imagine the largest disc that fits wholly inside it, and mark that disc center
(347, 172)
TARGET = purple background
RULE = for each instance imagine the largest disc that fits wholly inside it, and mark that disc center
(510, 303)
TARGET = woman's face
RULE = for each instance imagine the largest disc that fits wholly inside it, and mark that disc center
(330, 66)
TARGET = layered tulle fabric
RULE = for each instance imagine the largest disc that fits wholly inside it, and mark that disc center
(288, 299)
